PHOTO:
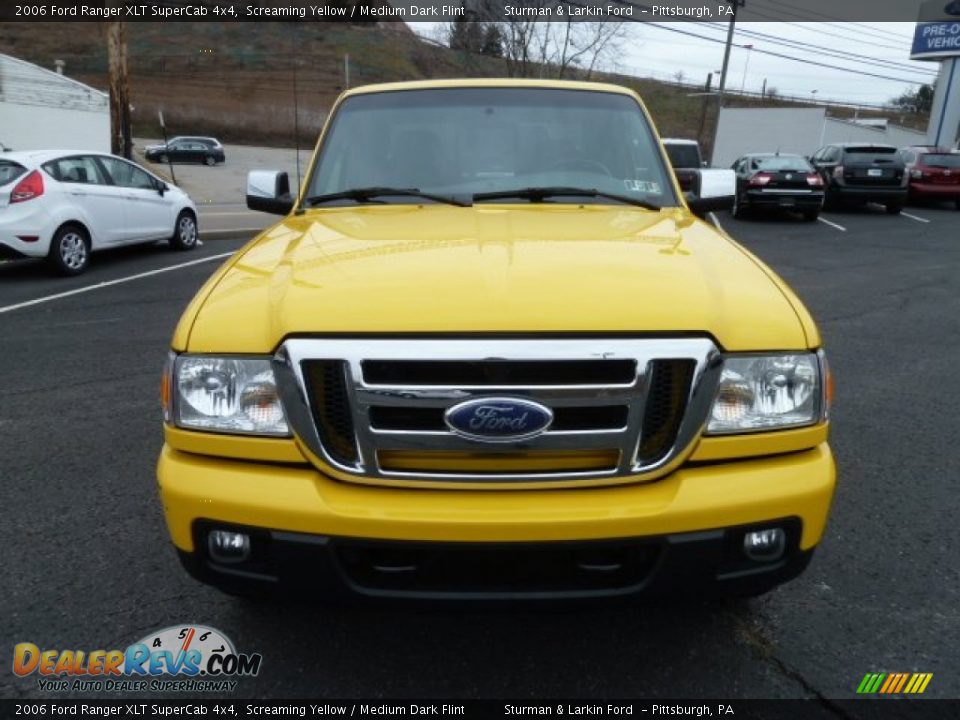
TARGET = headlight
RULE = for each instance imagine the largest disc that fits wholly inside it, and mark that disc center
(769, 392)
(234, 395)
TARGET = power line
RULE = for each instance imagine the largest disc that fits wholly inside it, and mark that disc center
(783, 56)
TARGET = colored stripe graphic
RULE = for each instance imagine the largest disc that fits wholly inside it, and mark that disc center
(894, 683)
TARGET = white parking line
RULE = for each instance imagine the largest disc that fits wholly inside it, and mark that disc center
(231, 231)
(914, 217)
(841, 228)
(226, 214)
(108, 283)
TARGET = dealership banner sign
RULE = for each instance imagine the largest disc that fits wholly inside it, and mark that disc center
(937, 34)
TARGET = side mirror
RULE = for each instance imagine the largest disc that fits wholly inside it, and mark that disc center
(704, 163)
(269, 191)
(711, 190)
(162, 188)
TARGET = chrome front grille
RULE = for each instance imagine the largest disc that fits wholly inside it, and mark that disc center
(374, 409)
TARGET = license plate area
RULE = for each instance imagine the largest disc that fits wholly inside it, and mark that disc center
(874, 172)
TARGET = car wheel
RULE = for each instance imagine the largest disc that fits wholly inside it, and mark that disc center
(162, 158)
(210, 160)
(894, 208)
(738, 210)
(69, 250)
(811, 215)
(956, 204)
(184, 232)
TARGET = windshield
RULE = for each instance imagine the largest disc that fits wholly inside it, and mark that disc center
(784, 162)
(683, 156)
(942, 160)
(10, 171)
(464, 141)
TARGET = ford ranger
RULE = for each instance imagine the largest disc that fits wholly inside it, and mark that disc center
(490, 353)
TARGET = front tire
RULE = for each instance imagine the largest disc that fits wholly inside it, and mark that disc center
(894, 208)
(185, 233)
(162, 158)
(210, 161)
(69, 250)
(811, 215)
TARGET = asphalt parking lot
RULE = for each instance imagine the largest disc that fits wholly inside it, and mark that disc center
(88, 563)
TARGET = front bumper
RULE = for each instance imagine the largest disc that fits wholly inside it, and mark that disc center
(670, 534)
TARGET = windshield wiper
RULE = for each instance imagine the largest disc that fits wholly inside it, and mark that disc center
(369, 194)
(539, 194)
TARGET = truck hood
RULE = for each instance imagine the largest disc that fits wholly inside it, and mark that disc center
(542, 268)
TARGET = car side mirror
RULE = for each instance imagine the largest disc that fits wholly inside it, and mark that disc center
(162, 188)
(704, 163)
(269, 191)
(711, 190)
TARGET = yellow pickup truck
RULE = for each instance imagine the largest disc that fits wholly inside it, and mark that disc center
(491, 353)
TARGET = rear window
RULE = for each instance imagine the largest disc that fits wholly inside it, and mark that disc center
(784, 162)
(683, 156)
(870, 150)
(938, 160)
(10, 171)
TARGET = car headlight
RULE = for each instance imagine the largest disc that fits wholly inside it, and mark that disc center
(769, 392)
(224, 394)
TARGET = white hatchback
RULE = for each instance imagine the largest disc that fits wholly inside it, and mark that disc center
(63, 205)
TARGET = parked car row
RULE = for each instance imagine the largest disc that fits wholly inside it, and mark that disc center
(843, 174)
(64, 205)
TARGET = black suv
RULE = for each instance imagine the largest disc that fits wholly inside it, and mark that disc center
(862, 173)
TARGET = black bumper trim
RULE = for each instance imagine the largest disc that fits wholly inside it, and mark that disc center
(688, 564)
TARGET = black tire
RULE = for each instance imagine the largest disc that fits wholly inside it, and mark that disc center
(69, 250)
(161, 158)
(185, 232)
(811, 215)
(739, 211)
(956, 204)
(210, 161)
(894, 208)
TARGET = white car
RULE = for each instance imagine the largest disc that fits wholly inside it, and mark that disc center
(63, 205)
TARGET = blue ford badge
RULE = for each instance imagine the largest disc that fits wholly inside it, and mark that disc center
(498, 419)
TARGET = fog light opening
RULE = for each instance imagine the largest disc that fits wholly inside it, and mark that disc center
(765, 545)
(225, 546)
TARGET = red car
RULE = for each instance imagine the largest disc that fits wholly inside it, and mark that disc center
(934, 173)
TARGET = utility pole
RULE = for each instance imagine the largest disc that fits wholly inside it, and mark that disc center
(119, 90)
(734, 4)
(703, 108)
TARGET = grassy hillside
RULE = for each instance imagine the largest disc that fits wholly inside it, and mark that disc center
(236, 81)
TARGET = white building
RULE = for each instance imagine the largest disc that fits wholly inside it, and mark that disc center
(797, 130)
(41, 109)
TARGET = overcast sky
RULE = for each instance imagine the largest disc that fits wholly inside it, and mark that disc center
(651, 51)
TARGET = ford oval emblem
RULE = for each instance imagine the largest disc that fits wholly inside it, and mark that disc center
(498, 419)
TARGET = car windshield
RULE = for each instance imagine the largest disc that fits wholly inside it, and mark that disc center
(683, 156)
(10, 171)
(940, 160)
(786, 163)
(466, 141)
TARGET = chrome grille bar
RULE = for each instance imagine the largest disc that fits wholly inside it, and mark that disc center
(289, 367)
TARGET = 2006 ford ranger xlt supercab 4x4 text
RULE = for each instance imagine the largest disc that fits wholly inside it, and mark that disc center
(490, 352)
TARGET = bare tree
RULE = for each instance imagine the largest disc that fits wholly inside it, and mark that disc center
(586, 45)
(532, 46)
